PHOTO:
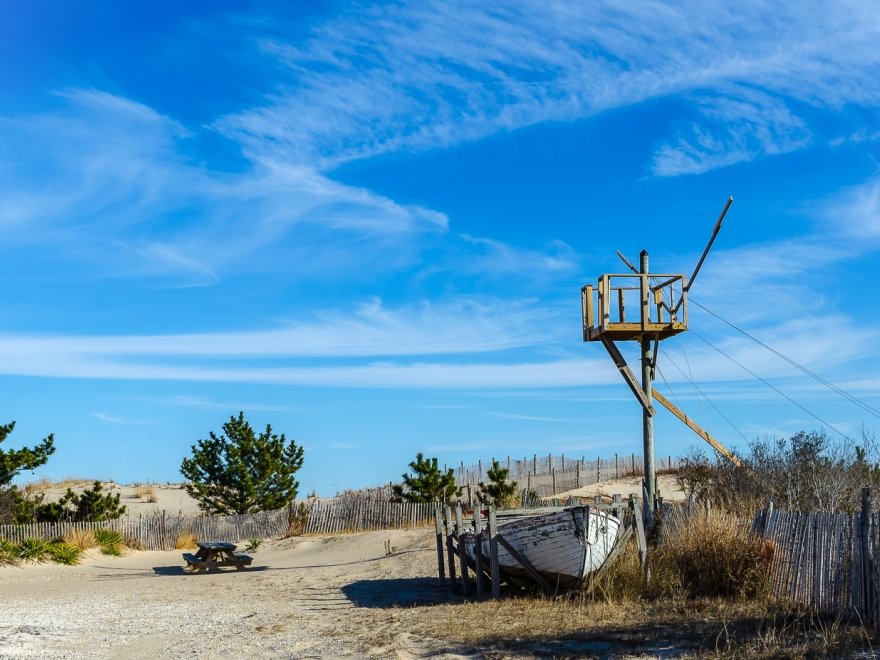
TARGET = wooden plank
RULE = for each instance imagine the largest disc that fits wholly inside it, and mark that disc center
(478, 552)
(640, 538)
(494, 568)
(462, 554)
(721, 449)
(624, 534)
(439, 530)
(627, 374)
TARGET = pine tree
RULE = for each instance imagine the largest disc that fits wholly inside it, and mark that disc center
(499, 491)
(14, 461)
(427, 483)
(241, 472)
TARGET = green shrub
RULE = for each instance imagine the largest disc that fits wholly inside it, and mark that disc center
(91, 504)
(110, 541)
(64, 553)
(253, 544)
(32, 550)
(112, 549)
(7, 553)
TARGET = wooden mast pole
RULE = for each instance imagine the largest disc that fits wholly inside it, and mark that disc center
(647, 418)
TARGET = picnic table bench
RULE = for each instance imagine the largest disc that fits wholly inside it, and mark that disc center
(216, 554)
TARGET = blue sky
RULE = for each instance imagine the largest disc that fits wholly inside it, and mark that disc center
(369, 223)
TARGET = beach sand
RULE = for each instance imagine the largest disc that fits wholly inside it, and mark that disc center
(331, 596)
(315, 596)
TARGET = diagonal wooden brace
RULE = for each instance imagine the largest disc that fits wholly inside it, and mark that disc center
(692, 425)
(627, 373)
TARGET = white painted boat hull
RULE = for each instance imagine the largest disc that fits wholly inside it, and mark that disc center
(564, 546)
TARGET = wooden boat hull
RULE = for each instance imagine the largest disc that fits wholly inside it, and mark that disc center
(563, 546)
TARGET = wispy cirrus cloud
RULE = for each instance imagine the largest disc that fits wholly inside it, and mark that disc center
(413, 76)
(465, 326)
(114, 178)
(123, 197)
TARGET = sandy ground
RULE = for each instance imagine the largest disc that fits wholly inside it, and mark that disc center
(333, 596)
(327, 596)
(666, 484)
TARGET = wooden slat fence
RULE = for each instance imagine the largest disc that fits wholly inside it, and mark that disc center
(355, 514)
(825, 560)
(550, 475)
(160, 531)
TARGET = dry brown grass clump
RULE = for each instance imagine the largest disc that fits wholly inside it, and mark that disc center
(37, 486)
(81, 539)
(145, 491)
(709, 555)
(299, 518)
(575, 626)
(186, 541)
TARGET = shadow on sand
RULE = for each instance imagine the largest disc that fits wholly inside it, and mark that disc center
(403, 592)
(179, 570)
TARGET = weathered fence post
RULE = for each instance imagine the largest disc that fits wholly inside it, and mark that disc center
(439, 527)
(478, 551)
(460, 536)
(450, 549)
(867, 563)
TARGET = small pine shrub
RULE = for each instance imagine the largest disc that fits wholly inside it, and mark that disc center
(64, 553)
(81, 539)
(32, 550)
(186, 541)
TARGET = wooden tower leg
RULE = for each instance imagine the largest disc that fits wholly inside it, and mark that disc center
(647, 419)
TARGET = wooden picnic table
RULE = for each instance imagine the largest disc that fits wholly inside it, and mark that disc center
(215, 554)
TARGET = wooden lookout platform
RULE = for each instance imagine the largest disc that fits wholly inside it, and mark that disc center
(656, 304)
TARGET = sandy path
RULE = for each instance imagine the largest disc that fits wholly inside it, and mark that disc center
(315, 596)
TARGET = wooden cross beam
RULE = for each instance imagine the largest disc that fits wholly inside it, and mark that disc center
(627, 373)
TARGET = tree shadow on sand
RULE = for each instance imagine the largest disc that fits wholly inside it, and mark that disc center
(402, 592)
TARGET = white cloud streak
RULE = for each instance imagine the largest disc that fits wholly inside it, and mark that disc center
(421, 75)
